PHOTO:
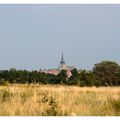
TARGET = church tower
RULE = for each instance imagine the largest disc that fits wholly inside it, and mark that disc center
(62, 63)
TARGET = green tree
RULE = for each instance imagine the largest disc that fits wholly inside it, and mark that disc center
(117, 75)
(82, 77)
(74, 77)
(63, 76)
(105, 72)
(86, 78)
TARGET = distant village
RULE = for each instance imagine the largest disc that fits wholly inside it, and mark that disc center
(62, 66)
(54, 71)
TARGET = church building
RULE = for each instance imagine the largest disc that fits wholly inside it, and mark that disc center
(62, 66)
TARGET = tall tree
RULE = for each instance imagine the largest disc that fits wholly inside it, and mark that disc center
(74, 77)
(63, 76)
(86, 78)
(105, 72)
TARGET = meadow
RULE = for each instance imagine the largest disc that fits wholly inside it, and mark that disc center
(58, 100)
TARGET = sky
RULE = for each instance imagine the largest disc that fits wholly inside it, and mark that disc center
(34, 36)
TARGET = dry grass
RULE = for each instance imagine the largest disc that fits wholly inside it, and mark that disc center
(43, 100)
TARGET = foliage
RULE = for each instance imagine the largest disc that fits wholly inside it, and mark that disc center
(73, 80)
(63, 77)
(86, 78)
(115, 104)
(3, 82)
(105, 73)
(6, 96)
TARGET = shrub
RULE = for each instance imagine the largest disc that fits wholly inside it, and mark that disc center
(3, 82)
(6, 95)
(53, 108)
(115, 104)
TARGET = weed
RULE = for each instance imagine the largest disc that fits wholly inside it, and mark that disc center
(116, 106)
(52, 106)
(6, 96)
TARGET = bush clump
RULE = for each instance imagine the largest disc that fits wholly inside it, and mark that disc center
(3, 82)
(53, 108)
(6, 95)
(116, 105)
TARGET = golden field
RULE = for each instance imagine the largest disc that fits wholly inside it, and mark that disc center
(58, 100)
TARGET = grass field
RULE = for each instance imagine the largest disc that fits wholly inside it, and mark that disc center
(56, 100)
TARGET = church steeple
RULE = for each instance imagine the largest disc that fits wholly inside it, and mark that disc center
(62, 59)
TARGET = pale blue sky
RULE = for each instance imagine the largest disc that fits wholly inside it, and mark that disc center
(34, 36)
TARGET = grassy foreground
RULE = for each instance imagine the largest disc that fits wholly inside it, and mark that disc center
(47, 100)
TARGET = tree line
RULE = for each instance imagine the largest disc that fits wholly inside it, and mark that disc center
(105, 73)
